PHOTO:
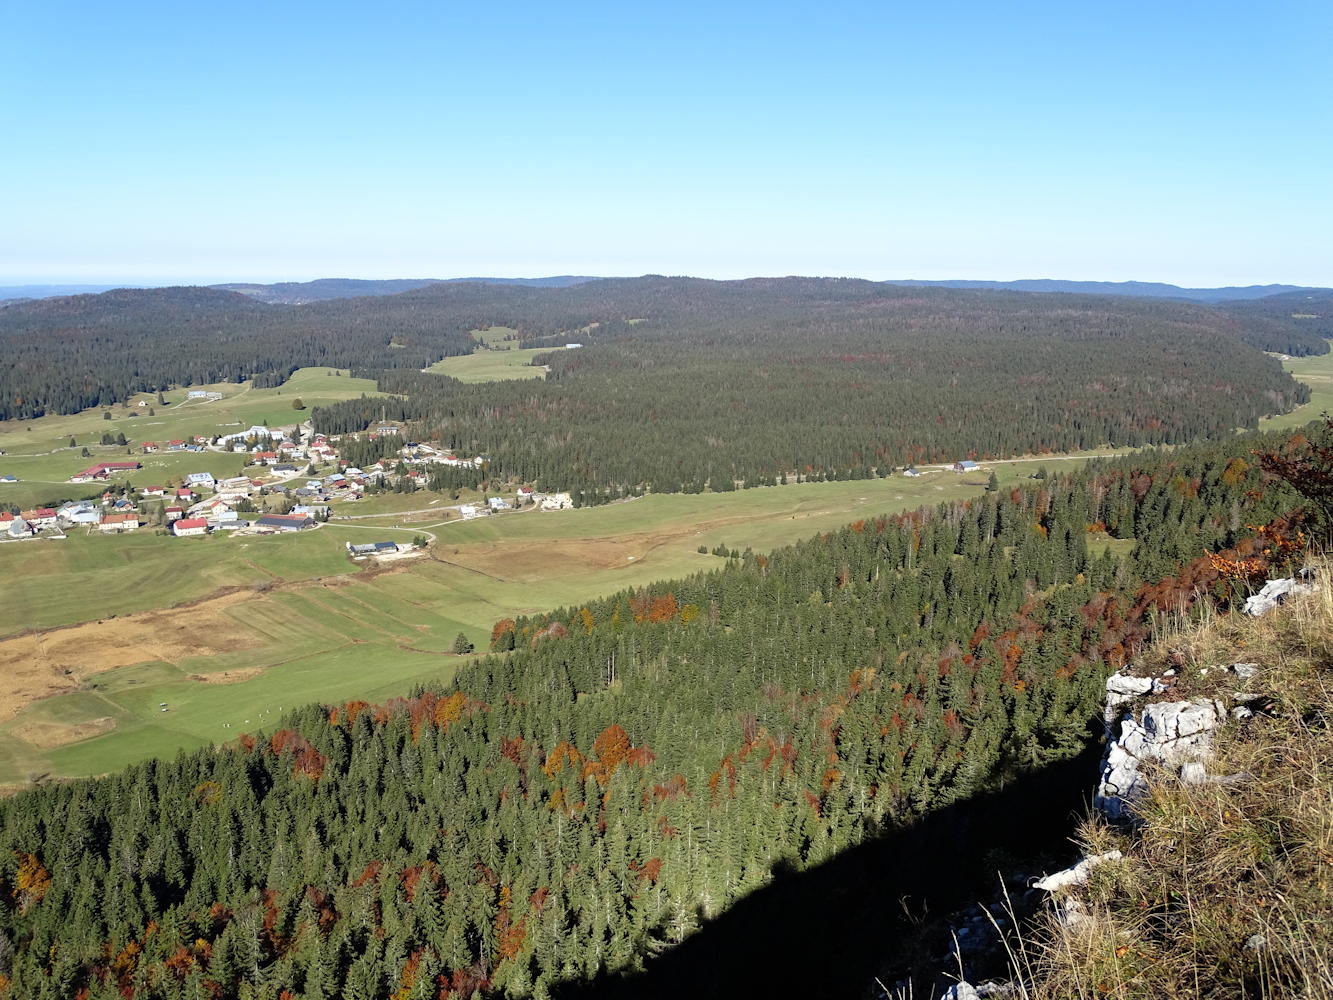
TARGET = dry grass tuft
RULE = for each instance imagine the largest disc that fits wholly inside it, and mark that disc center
(1227, 889)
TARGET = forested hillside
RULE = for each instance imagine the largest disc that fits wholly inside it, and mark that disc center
(723, 383)
(673, 341)
(632, 767)
(1295, 323)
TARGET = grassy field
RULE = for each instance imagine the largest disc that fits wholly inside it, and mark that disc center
(1316, 372)
(492, 365)
(38, 452)
(85, 577)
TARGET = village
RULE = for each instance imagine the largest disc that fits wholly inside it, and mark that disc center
(281, 491)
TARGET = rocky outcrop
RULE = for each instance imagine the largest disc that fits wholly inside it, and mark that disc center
(1275, 592)
(1171, 734)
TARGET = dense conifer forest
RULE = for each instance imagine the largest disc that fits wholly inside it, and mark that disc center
(748, 383)
(1115, 357)
(622, 771)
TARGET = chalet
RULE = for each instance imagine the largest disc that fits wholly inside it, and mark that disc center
(285, 522)
(351, 471)
(173, 514)
(373, 548)
(154, 491)
(190, 526)
(966, 465)
(103, 470)
(119, 522)
(175, 446)
(264, 458)
(186, 494)
(498, 503)
(149, 447)
(470, 511)
(315, 510)
(525, 492)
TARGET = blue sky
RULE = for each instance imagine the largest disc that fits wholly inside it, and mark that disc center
(1182, 142)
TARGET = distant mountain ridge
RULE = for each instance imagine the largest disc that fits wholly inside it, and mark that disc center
(323, 289)
(12, 292)
(1138, 289)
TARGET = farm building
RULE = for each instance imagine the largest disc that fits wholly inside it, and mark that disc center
(553, 501)
(285, 522)
(191, 526)
(373, 548)
(18, 528)
(42, 517)
(498, 503)
(910, 472)
(154, 491)
(200, 479)
(9, 479)
(79, 513)
(119, 522)
(966, 465)
(102, 470)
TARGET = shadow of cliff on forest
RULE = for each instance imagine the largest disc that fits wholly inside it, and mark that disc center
(829, 931)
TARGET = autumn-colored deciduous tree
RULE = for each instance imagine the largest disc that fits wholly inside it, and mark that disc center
(1306, 464)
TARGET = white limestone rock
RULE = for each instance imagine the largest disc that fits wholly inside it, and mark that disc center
(1275, 592)
(1170, 732)
(961, 991)
(1077, 874)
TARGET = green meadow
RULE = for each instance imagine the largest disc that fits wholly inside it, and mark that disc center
(1315, 371)
(492, 365)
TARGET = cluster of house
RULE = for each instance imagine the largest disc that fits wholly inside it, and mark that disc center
(526, 495)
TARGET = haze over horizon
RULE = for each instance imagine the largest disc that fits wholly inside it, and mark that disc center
(164, 145)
